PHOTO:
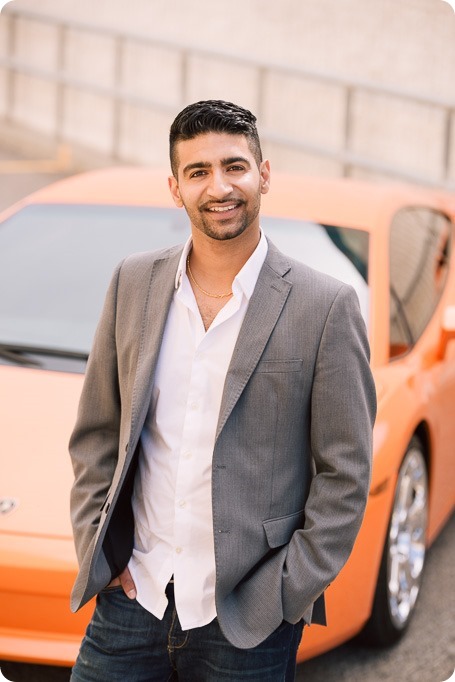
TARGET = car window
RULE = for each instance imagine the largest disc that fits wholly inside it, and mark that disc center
(56, 262)
(419, 252)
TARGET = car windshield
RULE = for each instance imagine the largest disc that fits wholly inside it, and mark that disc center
(56, 262)
(336, 251)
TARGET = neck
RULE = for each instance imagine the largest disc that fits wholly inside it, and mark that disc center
(216, 263)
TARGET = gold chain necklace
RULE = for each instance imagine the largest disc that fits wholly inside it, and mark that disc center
(207, 293)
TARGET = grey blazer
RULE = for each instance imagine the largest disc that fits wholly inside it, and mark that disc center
(292, 456)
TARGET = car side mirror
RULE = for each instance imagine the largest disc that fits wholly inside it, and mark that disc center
(447, 330)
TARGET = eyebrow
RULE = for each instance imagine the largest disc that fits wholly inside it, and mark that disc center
(206, 165)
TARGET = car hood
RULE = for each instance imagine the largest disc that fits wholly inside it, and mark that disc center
(37, 413)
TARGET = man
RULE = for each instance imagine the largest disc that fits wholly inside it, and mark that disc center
(223, 442)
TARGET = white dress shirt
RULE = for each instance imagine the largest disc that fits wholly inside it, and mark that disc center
(172, 498)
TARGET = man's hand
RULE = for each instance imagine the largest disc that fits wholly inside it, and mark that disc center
(127, 583)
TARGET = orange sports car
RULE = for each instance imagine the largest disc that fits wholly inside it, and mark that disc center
(392, 243)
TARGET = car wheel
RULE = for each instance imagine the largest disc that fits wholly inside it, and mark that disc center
(400, 574)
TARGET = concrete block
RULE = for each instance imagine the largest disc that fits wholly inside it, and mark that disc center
(400, 133)
(3, 92)
(451, 169)
(222, 79)
(144, 136)
(286, 160)
(407, 45)
(4, 28)
(36, 43)
(34, 103)
(87, 120)
(152, 71)
(90, 57)
(304, 109)
(373, 176)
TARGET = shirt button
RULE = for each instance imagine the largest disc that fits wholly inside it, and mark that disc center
(187, 455)
(182, 503)
(194, 406)
(178, 550)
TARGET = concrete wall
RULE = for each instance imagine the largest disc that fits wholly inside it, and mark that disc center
(408, 45)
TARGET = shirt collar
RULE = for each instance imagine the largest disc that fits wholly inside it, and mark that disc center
(246, 278)
(181, 268)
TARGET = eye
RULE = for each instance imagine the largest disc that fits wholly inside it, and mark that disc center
(198, 173)
(236, 168)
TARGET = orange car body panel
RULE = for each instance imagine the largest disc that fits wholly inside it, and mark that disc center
(38, 562)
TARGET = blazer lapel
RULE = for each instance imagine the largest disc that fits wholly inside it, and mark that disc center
(159, 296)
(264, 309)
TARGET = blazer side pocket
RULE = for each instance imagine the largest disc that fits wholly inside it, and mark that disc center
(280, 530)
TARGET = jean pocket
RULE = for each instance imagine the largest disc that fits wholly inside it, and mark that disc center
(112, 588)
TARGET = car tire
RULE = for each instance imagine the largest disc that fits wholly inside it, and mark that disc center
(403, 558)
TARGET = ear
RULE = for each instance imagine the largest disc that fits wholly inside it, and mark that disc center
(265, 176)
(174, 188)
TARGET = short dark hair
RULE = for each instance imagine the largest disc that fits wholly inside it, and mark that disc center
(213, 116)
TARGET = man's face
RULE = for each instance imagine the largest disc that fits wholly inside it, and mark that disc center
(219, 184)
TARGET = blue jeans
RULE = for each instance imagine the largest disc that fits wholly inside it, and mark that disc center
(126, 643)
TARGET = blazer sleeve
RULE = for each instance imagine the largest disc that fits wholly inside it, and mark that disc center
(343, 409)
(94, 442)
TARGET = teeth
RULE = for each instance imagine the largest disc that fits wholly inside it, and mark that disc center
(221, 209)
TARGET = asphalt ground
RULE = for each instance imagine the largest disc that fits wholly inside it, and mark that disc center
(425, 654)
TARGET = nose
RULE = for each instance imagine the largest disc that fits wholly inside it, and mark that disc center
(219, 186)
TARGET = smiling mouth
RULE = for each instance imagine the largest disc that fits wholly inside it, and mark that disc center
(225, 208)
(222, 209)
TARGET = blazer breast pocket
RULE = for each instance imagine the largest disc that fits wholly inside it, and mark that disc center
(279, 366)
(280, 530)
